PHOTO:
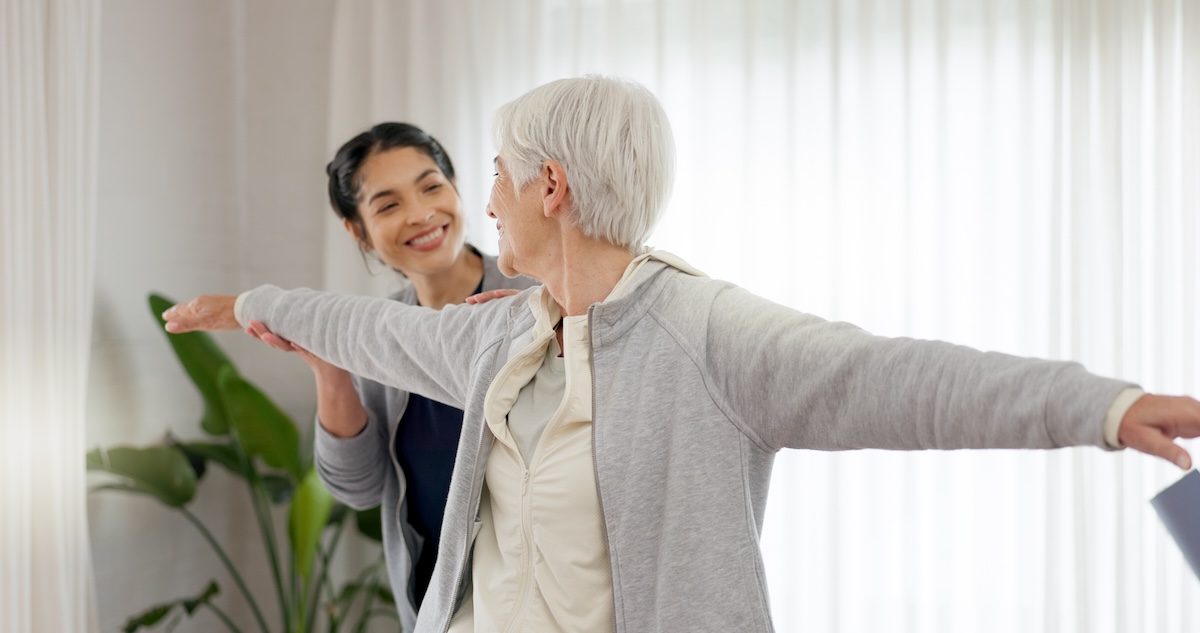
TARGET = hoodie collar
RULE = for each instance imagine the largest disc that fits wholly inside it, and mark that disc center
(624, 296)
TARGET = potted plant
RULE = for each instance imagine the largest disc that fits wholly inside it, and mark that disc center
(253, 439)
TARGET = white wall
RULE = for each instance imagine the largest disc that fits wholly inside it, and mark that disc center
(212, 148)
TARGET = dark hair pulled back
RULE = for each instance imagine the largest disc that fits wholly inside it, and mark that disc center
(344, 182)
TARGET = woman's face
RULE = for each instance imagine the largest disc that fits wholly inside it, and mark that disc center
(516, 223)
(411, 212)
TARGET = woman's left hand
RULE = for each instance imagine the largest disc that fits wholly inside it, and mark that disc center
(206, 312)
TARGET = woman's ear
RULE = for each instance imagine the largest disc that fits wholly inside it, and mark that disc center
(355, 230)
(554, 188)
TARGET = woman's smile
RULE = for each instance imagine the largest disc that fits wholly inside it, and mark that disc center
(429, 240)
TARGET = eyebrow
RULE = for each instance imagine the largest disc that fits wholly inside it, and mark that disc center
(380, 194)
(388, 192)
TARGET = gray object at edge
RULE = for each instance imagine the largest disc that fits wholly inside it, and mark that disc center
(1179, 508)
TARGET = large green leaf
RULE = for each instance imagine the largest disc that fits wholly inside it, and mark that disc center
(160, 471)
(155, 614)
(200, 453)
(307, 517)
(201, 359)
(279, 489)
(262, 428)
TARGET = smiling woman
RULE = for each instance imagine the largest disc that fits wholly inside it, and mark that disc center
(394, 188)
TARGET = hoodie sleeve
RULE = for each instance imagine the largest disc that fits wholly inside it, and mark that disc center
(789, 379)
(356, 469)
(419, 350)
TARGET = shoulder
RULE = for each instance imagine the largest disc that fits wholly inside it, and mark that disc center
(406, 294)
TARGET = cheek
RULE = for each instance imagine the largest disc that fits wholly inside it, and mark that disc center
(379, 230)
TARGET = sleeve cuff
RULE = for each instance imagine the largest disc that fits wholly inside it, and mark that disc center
(237, 308)
(1116, 413)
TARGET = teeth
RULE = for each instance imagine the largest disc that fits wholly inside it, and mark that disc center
(425, 239)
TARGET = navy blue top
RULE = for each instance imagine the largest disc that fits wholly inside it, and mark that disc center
(426, 443)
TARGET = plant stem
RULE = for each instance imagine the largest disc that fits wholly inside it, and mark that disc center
(268, 531)
(359, 583)
(370, 598)
(237, 578)
(224, 618)
(323, 579)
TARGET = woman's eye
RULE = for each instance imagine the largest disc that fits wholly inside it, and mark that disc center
(386, 207)
(433, 187)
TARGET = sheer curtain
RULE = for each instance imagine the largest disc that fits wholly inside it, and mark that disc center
(1018, 175)
(48, 110)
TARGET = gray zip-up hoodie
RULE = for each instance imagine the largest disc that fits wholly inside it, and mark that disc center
(697, 384)
(362, 471)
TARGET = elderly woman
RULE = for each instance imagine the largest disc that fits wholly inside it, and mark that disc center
(622, 419)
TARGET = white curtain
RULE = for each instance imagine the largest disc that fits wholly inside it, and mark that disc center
(48, 112)
(1014, 175)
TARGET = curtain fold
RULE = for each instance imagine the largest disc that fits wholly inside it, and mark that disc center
(48, 115)
(1014, 175)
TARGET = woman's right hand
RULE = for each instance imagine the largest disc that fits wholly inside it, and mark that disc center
(488, 295)
(260, 331)
(338, 408)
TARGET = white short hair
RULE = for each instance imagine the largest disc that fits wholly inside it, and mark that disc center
(612, 138)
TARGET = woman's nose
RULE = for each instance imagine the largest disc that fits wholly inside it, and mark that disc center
(420, 216)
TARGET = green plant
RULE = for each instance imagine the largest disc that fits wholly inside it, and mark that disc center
(258, 443)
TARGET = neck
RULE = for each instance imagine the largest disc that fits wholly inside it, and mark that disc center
(587, 276)
(452, 285)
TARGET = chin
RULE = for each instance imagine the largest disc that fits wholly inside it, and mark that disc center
(504, 263)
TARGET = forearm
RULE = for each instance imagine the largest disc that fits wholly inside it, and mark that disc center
(802, 382)
(354, 467)
(339, 410)
(407, 347)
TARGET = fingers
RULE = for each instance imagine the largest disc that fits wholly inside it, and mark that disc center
(1153, 442)
(484, 297)
(1154, 421)
(260, 331)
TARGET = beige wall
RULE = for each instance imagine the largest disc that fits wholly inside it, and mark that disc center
(212, 148)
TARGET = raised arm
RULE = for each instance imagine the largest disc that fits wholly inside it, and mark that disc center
(794, 380)
(420, 350)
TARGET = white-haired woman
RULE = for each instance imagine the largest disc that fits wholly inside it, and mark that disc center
(622, 419)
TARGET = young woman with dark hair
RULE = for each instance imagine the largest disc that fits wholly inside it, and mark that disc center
(393, 186)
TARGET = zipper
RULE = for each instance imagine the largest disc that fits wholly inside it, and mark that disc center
(522, 606)
(477, 484)
(521, 603)
(596, 469)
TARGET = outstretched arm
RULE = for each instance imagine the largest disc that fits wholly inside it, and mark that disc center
(794, 380)
(416, 349)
